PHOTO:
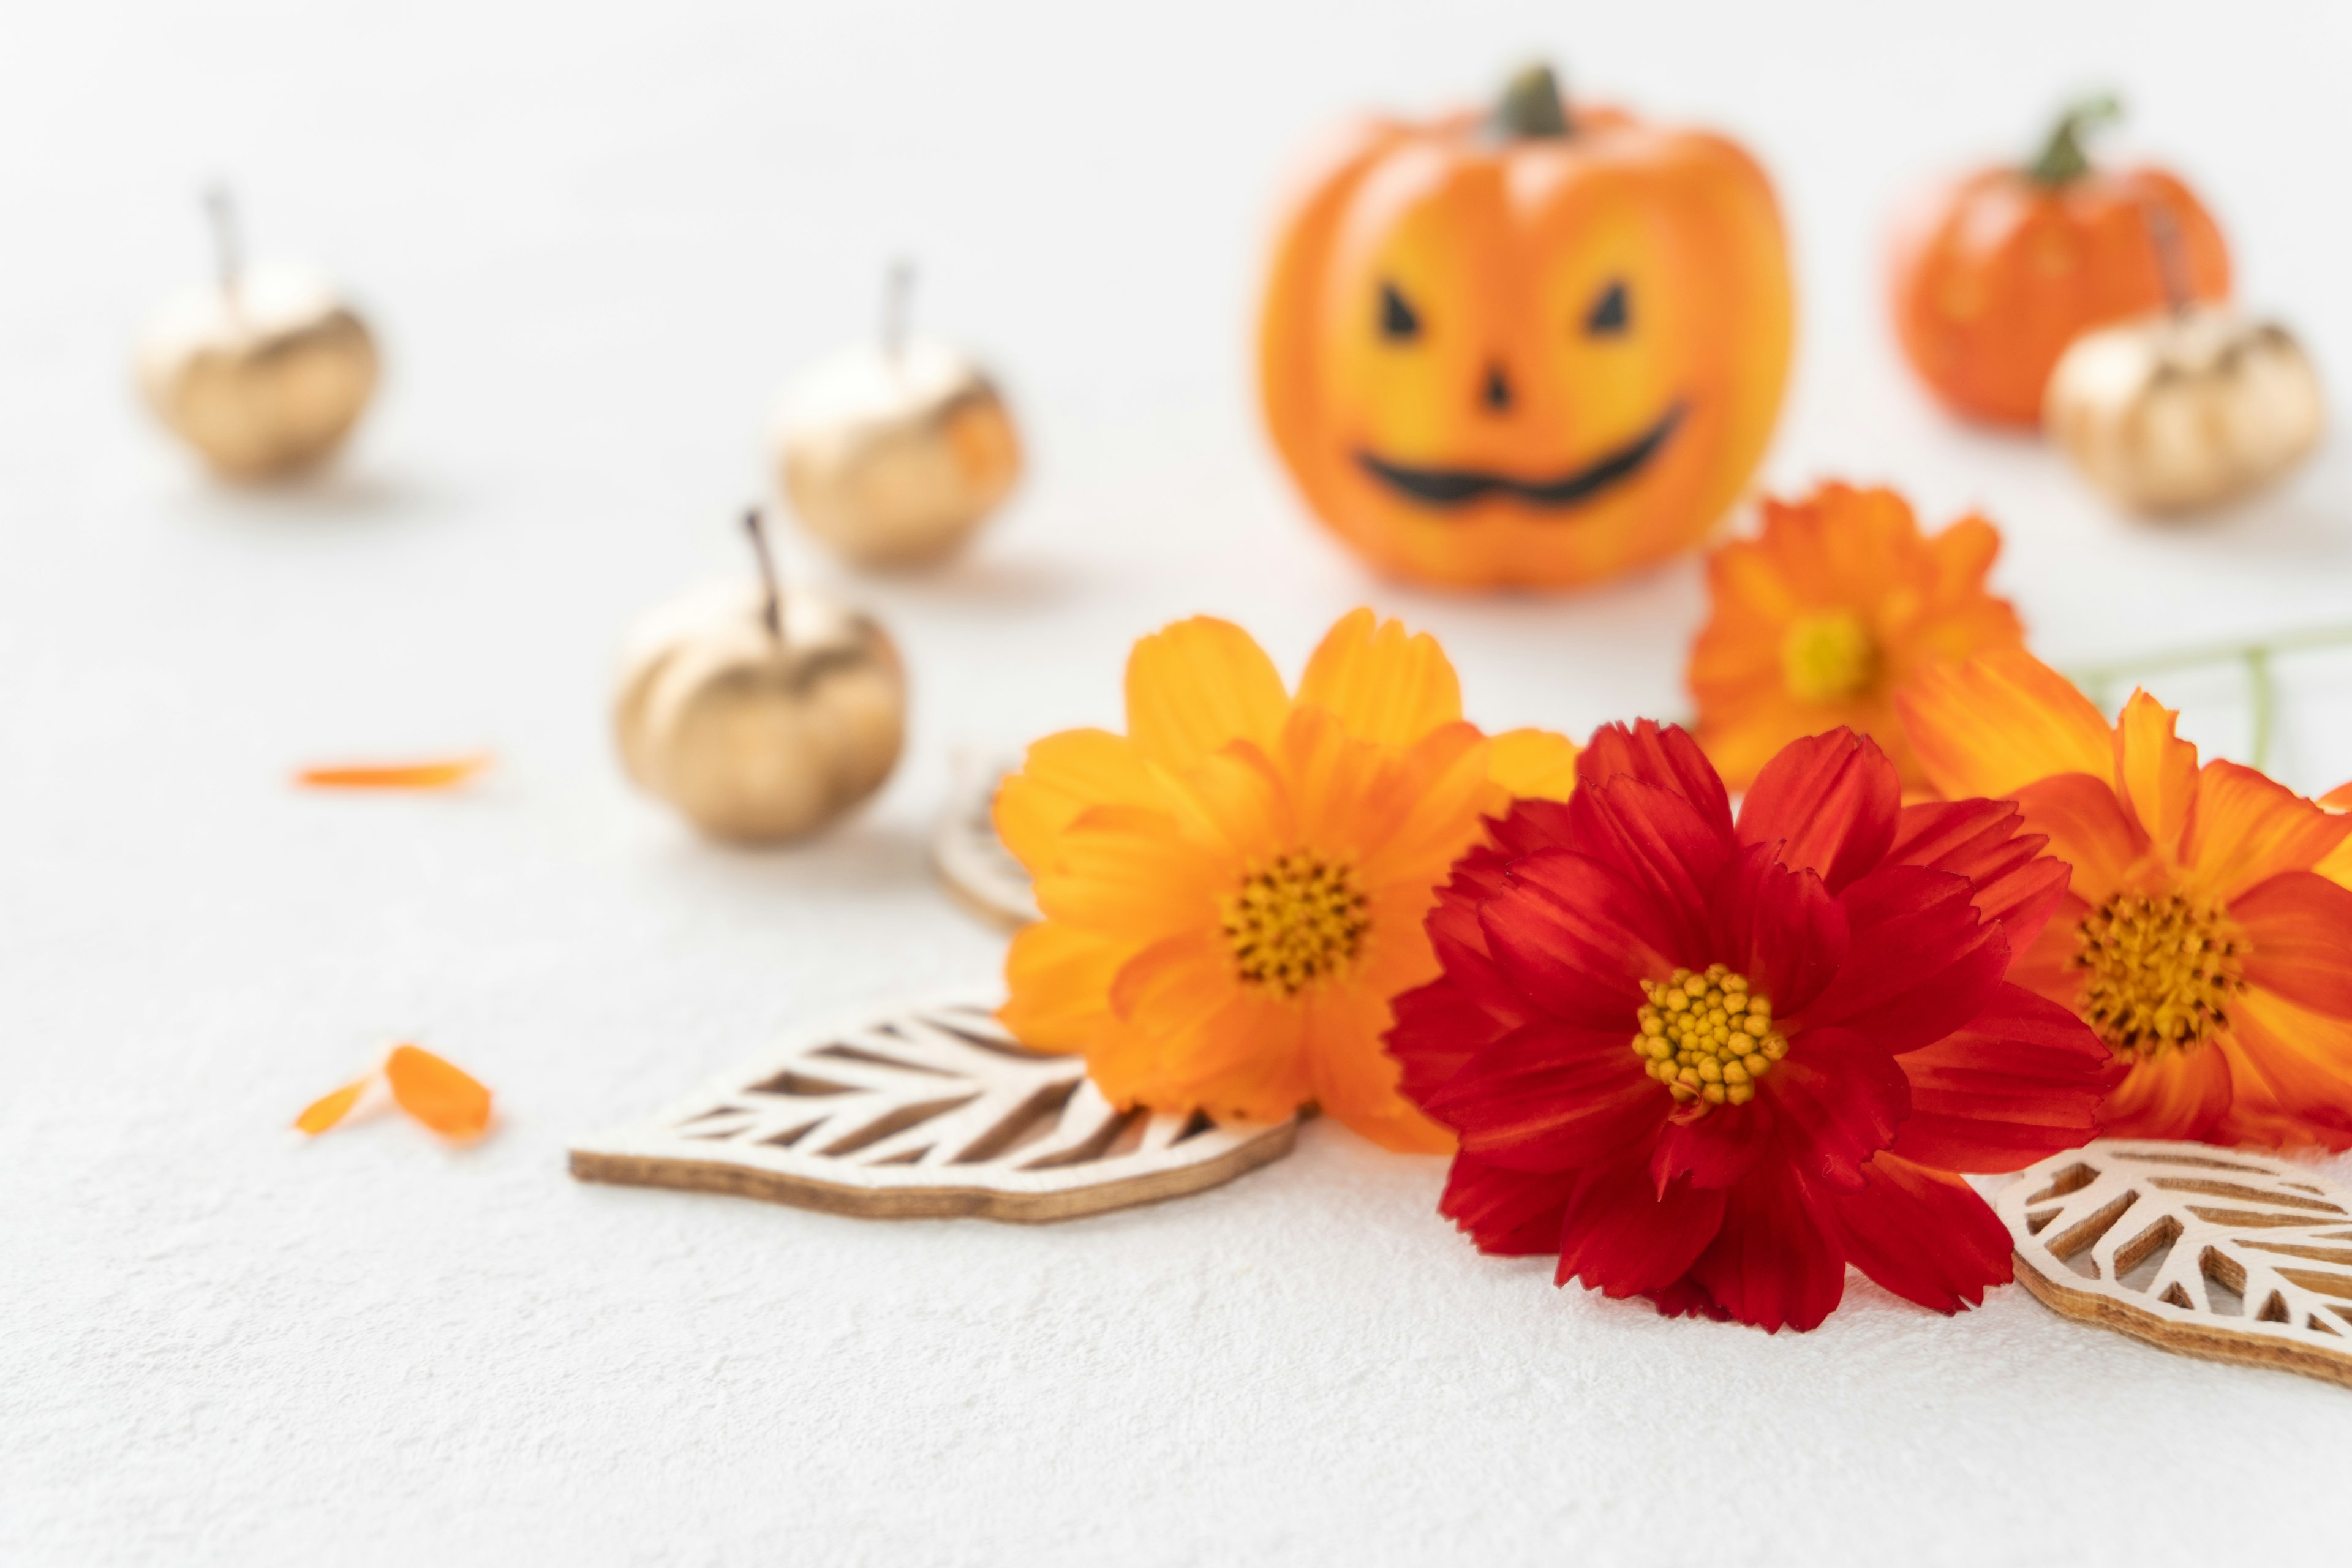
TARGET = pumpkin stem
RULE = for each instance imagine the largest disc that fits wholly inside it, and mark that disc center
(2063, 159)
(772, 611)
(897, 285)
(1531, 104)
(229, 262)
(2171, 258)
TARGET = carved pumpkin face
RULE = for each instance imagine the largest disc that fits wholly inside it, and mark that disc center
(1532, 359)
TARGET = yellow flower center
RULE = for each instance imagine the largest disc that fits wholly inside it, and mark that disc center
(1707, 1038)
(1827, 658)
(2160, 973)
(1294, 922)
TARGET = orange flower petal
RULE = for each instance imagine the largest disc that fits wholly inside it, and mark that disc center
(1532, 764)
(1386, 686)
(2157, 771)
(2089, 828)
(1058, 978)
(441, 773)
(2292, 1070)
(2180, 1094)
(1127, 873)
(2298, 931)
(1197, 684)
(2244, 829)
(444, 1098)
(330, 1109)
(2000, 722)
(2338, 799)
(1062, 775)
(1355, 1079)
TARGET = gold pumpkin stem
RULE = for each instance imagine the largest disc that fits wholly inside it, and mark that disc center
(1531, 105)
(772, 611)
(898, 286)
(2172, 258)
(228, 260)
(2063, 159)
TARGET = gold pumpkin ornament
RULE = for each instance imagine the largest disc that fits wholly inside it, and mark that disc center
(894, 453)
(264, 372)
(2188, 408)
(761, 713)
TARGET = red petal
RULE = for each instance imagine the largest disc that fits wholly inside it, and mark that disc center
(1920, 962)
(1664, 755)
(2018, 886)
(1661, 843)
(1829, 802)
(1923, 1235)
(1686, 1298)
(1531, 825)
(1623, 1237)
(1550, 1097)
(1779, 927)
(1575, 938)
(2023, 1080)
(1439, 1027)
(1841, 1099)
(1773, 1263)
(1713, 1149)
(2298, 927)
(1513, 1213)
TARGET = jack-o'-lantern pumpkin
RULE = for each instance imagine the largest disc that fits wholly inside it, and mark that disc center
(1997, 273)
(1533, 346)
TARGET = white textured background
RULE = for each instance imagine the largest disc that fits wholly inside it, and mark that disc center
(595, 240)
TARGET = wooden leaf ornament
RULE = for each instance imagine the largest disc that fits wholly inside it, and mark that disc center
(924, 1113)
(970, 860)
(444, 1096)
(2210, 1252)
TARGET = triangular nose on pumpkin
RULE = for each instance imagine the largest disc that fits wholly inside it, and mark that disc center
(1497, 395)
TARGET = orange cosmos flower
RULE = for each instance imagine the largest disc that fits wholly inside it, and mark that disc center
(1819, 623)
(1234, 890)
(2201, 936)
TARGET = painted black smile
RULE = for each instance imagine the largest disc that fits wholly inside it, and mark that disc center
(1459, 487)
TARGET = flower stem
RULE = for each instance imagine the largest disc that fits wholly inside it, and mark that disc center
(2097, 680)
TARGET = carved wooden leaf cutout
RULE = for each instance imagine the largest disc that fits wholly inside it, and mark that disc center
(2212, 1252)
(924, 1112)
(969, 857)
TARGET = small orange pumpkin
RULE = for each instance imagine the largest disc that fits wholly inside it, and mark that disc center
(1998, 271)
(1526, 347)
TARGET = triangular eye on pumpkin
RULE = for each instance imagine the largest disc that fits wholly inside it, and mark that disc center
(1610, 315)
(1399, 321)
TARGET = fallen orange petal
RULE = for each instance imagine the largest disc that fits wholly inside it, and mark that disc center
(444, 1098)
(329, 1109)
(2339, 798)
(445, 773)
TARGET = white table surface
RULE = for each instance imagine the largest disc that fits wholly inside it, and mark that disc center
(595, 240)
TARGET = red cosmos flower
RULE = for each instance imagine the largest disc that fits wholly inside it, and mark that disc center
(1712, 1063)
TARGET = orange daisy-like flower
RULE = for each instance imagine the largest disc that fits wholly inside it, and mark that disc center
(1819, 623)
(1235, 889)
(2205, 936)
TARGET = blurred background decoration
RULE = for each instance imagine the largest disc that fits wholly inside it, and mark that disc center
(1537, 345)
(1996, 272)
(894, 451)
(263, 369)
(761, 710)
